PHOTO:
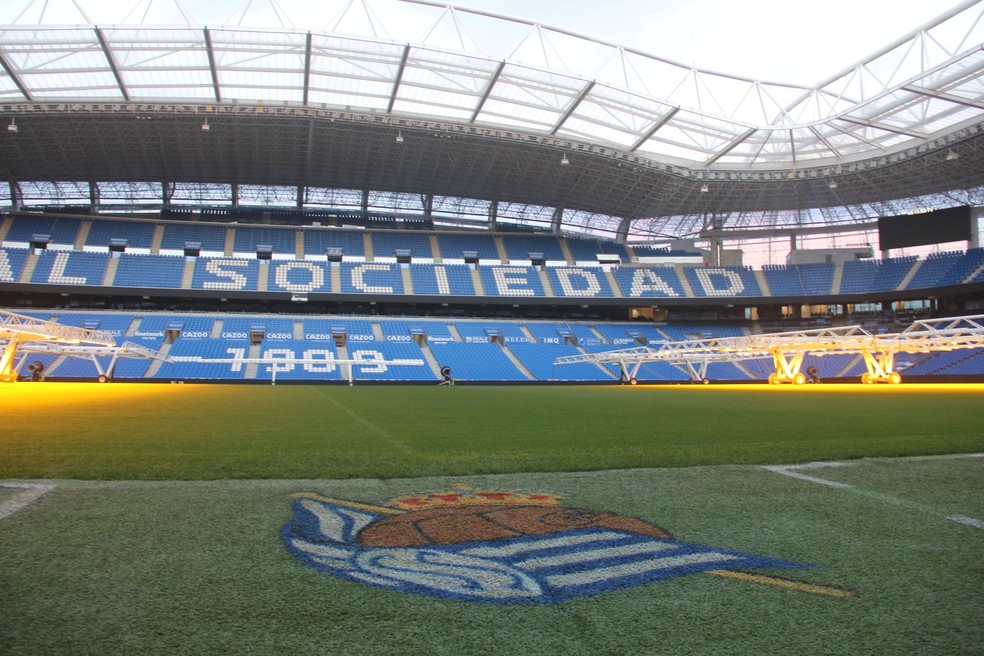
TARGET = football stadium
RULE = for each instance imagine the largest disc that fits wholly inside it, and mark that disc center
(402, 327)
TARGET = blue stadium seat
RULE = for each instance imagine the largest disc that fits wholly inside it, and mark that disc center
(149, 271)
(211, 237)
(12, 263)
(137, 234)
(582, 282)
(226, 273)
(453, 244)
(519, 247)
(62, 230)
(71, 268)
(442, 279)
(649, 282)
(247, 239)
(511, 281)
(722, 281)
(384, 244)
(318, 240)
(371, 278)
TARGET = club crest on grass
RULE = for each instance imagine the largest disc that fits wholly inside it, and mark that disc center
(501, 547)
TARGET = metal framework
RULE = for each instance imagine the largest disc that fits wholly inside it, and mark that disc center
(788, 349)
(486, 108)
(104, 373)
(21, 332)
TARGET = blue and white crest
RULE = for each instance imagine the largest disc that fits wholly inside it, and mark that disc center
(535, 567)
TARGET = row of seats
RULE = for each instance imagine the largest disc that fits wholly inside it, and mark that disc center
(476, 350)
(507, 281)
(352, 243)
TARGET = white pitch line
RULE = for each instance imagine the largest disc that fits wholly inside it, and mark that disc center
(790, 470)
(32, 492)
(397, 444)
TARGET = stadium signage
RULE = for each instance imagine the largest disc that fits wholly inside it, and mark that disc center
(379, 278)
(501, 547)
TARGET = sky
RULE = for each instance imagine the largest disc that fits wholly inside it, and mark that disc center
(791, 41)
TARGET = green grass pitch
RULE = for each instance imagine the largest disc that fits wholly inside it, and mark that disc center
(160, 532)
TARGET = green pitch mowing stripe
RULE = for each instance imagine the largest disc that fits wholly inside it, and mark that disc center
(153, 567)
(189, 432)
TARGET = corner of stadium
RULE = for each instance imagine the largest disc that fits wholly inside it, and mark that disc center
(488, 337)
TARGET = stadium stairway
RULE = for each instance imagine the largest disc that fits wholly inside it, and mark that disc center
(835, 285)
(157, 239)
(907, 278)
(477, 282)
(110, 274)
(155, 365)
(30, 264)
(83, 235)
(517, 362)
(251, 369)
(684, 283)
(407, 281)
(431, 361)
(188, 275)
(5, 227)
(763, 283)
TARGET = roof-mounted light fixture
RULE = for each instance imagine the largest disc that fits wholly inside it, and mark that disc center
(832, 184)
(205, 127)
(399, 136)
(12, 127)
(950, 156)
(704, 189)
(564, 161)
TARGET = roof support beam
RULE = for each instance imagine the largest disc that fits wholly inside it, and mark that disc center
(572, 107)
(885, 128)
(211, 65)
(14, 77)
(488, 91)
(112, 63)
(731, 146)
(824, 141)
(940, 95)
(398, 79)
(307, 68)
(557, 220)
(648, 134)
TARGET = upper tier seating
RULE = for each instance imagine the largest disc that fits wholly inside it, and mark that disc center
(149, 271)
(281, 239)
(722, 281)
(442, 279)
(211, 237)
(579, 281)
(385, 244)
(587, 250)
(511, 281)
(453, 244)
(519, 247)
(351, 243)
(71, 268)
(12, 263)
(62, 230)
(138, 235)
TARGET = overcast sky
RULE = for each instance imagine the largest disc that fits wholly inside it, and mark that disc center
(795, 41)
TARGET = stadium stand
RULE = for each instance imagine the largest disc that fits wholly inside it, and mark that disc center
(137, 270)
(137, 235)
(519, 247)
(281, 239)
(453, 244)
(12, 263)
(211, 237)
(62, 230)
(587, 250)
(385, 244)
(70, 268)
(351, 243)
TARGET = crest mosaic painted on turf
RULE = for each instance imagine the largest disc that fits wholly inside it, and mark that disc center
(496, 546)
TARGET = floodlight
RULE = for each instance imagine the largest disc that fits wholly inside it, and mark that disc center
(12, 127)
(205, 127)
(399, 136)
(832, 184)
(950, 156)
(564, 161)
(704, 189)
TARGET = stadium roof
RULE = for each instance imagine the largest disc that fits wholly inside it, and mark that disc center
(470, 104)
